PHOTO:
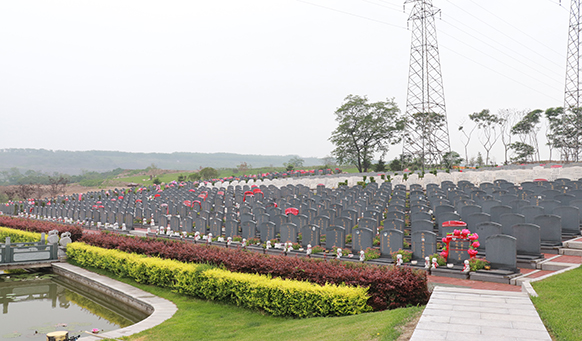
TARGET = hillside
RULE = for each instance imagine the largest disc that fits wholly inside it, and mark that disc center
(73, 162)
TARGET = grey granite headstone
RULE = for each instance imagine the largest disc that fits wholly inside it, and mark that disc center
(391, 241)
(396, 224)
(550, 228)
(362, 238)
(508, 220)
(231, 228)
(289, 233)
(267, 231)
(501, 251)
(423, 244)
(335, 236)
(528, 239)
(249, 229)
(570, 219)
(216, 227)
(421, 225)
(486, 229)
(310, 235)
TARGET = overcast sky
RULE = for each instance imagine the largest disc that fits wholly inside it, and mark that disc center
(255, 77)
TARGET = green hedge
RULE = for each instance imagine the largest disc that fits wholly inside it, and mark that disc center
(17, 236)
(274, 295)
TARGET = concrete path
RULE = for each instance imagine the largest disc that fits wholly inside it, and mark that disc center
(470, 314)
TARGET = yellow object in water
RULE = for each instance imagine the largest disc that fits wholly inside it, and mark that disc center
(57, 336)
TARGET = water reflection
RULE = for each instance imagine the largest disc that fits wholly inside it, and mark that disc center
(30, 309)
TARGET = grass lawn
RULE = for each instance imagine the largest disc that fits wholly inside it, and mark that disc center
(206, 320)
(560, 304)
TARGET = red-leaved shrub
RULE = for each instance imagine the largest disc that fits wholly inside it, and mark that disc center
(389, 287)
(40, 226)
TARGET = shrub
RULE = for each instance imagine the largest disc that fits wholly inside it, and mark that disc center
(478, 263)
(40, 226)
(388, 287)
(277, 296)
(17, 236)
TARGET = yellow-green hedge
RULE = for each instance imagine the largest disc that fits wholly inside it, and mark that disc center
(18, 236)
(277, 296)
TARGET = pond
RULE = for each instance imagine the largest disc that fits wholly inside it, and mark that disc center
(36, 304)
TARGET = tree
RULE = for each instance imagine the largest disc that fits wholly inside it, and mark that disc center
(565, 132)
(527, 130)
(523, 151)
(194, 176)
(157, 181)
(479, 159)
(451, 159)
(57, 184)
(380, 166)
(426, 123)
(25, 191)
(466, 137)
(365, 129)
(508, 119)
(487, 124)
(295, 162)
(208, 173)
(395, 165)
(328, 161)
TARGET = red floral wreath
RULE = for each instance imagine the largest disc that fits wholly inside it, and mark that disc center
(464, 234)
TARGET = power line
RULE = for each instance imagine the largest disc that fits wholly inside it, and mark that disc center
(497, 72)
(523, 56)
(352, 14)
(508, 23)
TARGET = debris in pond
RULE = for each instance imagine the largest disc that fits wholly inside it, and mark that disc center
(61, 325)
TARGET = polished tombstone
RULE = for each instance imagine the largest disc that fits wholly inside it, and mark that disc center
(423, 244)
(362, 238)
(310, 235)
(391, 240)
(501, 251)
(335, 236)
(550, 229)
(528, 239)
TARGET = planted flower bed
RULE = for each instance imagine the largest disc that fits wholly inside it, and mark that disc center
(40, 226)
(277, 296)
(388, 287)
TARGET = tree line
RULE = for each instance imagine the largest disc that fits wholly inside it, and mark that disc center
(367, 129)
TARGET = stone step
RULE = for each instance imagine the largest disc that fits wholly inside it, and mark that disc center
(555, 266)
(571, 252)
(571, 244)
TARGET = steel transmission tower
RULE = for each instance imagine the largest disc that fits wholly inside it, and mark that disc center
(427, 135)
(572, 103)
(572, 93)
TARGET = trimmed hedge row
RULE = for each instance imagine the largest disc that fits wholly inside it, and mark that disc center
(389, 287)
(277, 296)
(40, 226)
(17, 236)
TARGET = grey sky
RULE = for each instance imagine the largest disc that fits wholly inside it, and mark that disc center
(258, 77)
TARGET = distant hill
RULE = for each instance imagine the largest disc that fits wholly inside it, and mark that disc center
(70, 162)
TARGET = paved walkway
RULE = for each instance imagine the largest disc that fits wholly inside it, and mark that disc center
(473, 314)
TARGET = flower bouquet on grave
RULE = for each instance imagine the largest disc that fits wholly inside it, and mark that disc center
(406, 255)
(371, 253)
(478, 263)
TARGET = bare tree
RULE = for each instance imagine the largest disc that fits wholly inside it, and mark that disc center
(25, 191)
(39, 190)
(57, 185)
(466, 138)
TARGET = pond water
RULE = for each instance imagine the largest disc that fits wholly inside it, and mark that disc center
(37, 306)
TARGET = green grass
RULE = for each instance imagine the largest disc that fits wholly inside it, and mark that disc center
(206, 320)
(560, 304)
